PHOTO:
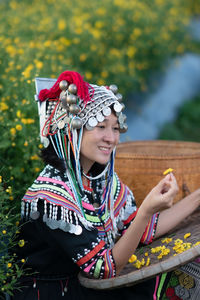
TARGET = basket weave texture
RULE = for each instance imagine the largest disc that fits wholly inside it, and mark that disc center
(140, 165)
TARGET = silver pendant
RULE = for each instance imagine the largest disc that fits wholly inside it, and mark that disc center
(78, 230)
(61, 124)
(92, 122)
(45, 142)
(88, 127)
(106, 111)
(45, 218)
(53, 224)
(34, 215)
(117, 107)
(100, 117)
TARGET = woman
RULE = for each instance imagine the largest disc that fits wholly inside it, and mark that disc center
(77, 208)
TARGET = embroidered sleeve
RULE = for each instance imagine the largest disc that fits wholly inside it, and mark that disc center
(130, 211)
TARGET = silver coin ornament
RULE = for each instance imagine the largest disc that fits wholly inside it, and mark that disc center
(92, 122)
(117, 107)
(45, 218)
(76, 123)
(74, 109)
(71, 99)
(99, 117)
(78, 230)
(64, 101)
(34, 215)
(124, 128)
(88, 127)
(53, 224)
(106, 111)
(61, 124)
(119, 97)
(113, 88)
(63, 85)
(45, 142)
(72, 88)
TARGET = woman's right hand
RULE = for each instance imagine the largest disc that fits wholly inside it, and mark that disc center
(160, 197)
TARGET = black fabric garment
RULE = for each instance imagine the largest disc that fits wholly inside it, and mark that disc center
(54, 290)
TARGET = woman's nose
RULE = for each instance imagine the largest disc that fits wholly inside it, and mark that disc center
(109, 136)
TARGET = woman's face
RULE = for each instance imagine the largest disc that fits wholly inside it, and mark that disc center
(98, 144)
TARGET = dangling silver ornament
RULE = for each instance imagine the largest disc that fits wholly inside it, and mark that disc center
(71, 99)
(74, 109)
(45, 142)
(113, 88)
(119, 97)
(117, 107)
(61, 124)
(99, 117)
(34, 215)
(88, 127)
(106, 111)
(76, 123)
(72, 88)
(78, 230)
(92, 122)
(124, 128)
(64, 101)
(63, 85)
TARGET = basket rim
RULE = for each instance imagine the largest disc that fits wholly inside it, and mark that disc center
(156, 144)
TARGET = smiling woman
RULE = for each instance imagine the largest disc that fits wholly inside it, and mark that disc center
(78, 215)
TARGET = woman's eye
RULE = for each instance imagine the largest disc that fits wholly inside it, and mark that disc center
(116, 128)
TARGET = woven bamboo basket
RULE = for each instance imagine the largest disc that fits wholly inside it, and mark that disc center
(140, 165)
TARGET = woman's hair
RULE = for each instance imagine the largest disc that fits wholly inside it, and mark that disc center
(50, 157)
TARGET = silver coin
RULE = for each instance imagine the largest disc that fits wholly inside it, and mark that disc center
(45, 218)
(61, 124)
(117, 107)
(78, 230)
(100, 117)
(53, 224)
(92, 122)
(122, 118)
(45, 142)
(106, 111)
(72, 228)
(88, 127)
(34, 215)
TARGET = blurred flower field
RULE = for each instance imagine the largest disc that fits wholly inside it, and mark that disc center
(107, 41)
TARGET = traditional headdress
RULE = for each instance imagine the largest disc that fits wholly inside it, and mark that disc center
(65, 109)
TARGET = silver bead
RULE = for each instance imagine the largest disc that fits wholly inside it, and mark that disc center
(124, 128)
(76, 123)
(63, 85)
(64, 101)
(117, 107)
(74, 109)
(92, 122)
(119, 97)
(72, 88)
(113, 88)
(106, 111)
(71, 99)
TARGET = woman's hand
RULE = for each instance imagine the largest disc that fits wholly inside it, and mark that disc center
(161, 196)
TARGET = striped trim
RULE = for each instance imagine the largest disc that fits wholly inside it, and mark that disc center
(149, 233)
(109, 268)
(91, 254)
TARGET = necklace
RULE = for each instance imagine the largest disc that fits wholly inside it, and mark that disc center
(98, 176)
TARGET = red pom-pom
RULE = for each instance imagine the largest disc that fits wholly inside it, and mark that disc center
(70, 77)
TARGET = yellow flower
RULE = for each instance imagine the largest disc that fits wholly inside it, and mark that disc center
(148, 262)
(4, 231)
(61, 24)
(132, 258)
(168, 171)
(146, 254)
(9, 265)
(83, 57)
(138, 264)
(3, 106)
(21, 243)
(37, 169)
(25, 144)
(18, 127)
(40, 146)
(187, 235)
(13, 131)
(0, 179)
(23, 260)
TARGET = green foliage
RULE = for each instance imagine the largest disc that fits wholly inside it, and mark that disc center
(11, 268)
(108, 41)
(187, 125)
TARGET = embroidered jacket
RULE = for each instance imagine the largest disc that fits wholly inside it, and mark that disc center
(84, 240)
